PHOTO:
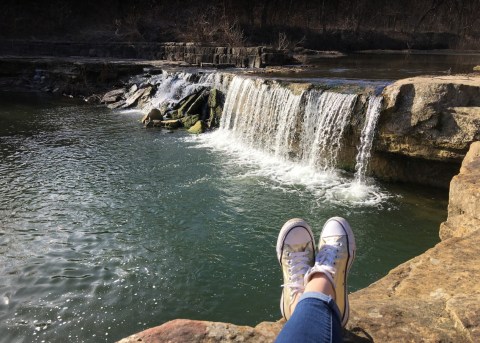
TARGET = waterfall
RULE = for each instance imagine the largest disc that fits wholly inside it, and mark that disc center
(326, 116)
(366, 139)
(293, 134)
(261, 115)
(266, 116)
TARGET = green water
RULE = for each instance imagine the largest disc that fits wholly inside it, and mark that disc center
(107, 228)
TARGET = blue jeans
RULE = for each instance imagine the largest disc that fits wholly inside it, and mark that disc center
(315, 319)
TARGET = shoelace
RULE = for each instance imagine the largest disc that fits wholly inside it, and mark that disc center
(297, 267)
(327, 255)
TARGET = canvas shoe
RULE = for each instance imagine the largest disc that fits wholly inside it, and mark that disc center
(296, 254)
(336, 251)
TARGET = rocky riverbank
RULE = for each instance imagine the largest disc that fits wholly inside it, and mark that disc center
(426, 127)
(434, 297)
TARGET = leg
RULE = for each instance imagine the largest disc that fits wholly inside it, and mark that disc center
(316, 316)
(296, 254)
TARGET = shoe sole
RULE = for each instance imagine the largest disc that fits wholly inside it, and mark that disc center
(289, 225)
(351, 256)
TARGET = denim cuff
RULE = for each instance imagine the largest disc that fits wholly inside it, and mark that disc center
(323, 297)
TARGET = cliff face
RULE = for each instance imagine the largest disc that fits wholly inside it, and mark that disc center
(434, 118)
(434, 297)
(426, 127)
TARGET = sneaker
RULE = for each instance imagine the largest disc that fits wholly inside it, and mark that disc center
(296, 254)
(336, 251)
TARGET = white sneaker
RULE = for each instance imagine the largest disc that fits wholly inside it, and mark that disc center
(336, 251)
(296, 254)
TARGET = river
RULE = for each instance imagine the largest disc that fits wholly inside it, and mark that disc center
(107, 228)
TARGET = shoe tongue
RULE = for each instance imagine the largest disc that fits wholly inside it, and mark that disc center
(331, 239)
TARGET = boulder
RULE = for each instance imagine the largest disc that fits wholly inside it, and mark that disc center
(193, 104)
(464, 203)
(214, 107)
(157, 123)
(113, 96)
(117, 104)
(212, 98)
(189, 121)
(432, 118)
(155, 114)
(198, 128)
(171, 124)
(476, 68)
(196, 331)
(132, 99)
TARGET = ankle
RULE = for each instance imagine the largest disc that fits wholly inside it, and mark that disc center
(320, 282)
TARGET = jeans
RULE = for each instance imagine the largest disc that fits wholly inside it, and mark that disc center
(315, 319)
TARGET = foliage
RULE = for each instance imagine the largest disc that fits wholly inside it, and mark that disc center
(325, 24)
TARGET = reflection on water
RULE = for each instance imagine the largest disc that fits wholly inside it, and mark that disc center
(107, 228)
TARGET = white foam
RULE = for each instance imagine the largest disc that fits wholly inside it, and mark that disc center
(327, 185)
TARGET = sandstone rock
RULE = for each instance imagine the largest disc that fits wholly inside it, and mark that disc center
(194, 331)
(212, 98)
(464, 203)
(157, 123)
(138, 96)
(199, 127)
(117, 104)
(113, 96)
(419, 300)
(434, 297)
(133, 98)
(434, 118)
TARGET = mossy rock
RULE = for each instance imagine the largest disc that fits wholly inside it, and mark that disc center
(212, 98)
(198, 128)
(186, 105)
(190, 120)
(477, 68)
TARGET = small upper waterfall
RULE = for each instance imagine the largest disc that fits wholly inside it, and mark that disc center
(366, 138)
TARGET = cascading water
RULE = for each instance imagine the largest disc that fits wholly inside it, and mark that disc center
(366, 139)
(174, 86)
(290, 134)
(261, 115)
(326, 116)
(265, 116)
(293, 133)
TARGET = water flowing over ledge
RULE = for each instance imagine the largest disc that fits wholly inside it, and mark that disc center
(294, 134)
